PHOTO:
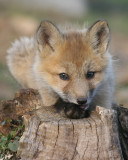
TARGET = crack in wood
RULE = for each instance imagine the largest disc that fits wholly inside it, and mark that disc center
(56, 139)
(38, 143)
(90, 124)
(85, 150)
(87, 141)
(97, 138)
(72, 127)
(75, 150)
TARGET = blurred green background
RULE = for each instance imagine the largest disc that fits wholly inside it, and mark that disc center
(21, 18)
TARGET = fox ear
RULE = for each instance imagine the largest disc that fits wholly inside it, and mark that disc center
(98, 36)
(48, 35)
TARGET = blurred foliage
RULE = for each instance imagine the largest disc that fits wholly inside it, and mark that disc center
(114, 11)
(109, 5)
(7, 80)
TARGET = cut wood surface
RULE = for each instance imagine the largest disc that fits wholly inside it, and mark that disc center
(51, 136)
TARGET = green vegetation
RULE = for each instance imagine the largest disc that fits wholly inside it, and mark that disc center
(5, 76)
(7, 81)
(9, 142)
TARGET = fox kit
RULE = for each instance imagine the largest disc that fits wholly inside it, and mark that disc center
(74, 66)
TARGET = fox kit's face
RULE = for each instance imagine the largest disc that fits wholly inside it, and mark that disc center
(73, 64)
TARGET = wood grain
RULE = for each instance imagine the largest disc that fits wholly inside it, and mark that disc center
(50, 135)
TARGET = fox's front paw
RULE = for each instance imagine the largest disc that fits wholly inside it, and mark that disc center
(75, 112)
(71, 110)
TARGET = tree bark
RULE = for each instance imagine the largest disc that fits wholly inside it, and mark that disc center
(50, 135)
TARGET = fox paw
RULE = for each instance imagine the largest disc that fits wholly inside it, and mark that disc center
(75, 112)
(71, 110)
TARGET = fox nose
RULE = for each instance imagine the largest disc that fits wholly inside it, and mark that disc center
(81, 101)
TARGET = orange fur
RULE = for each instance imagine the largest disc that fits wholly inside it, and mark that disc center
(74, 53)
(75, 57)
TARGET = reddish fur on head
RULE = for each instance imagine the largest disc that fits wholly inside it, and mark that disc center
(75, 54)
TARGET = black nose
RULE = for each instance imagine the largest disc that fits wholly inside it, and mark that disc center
(82, 101)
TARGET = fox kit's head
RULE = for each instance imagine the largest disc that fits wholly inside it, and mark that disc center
(73, 64)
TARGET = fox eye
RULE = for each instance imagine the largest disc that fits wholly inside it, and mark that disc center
(90, 75)
(64, 76)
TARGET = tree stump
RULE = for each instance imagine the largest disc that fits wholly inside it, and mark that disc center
(50, 135)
